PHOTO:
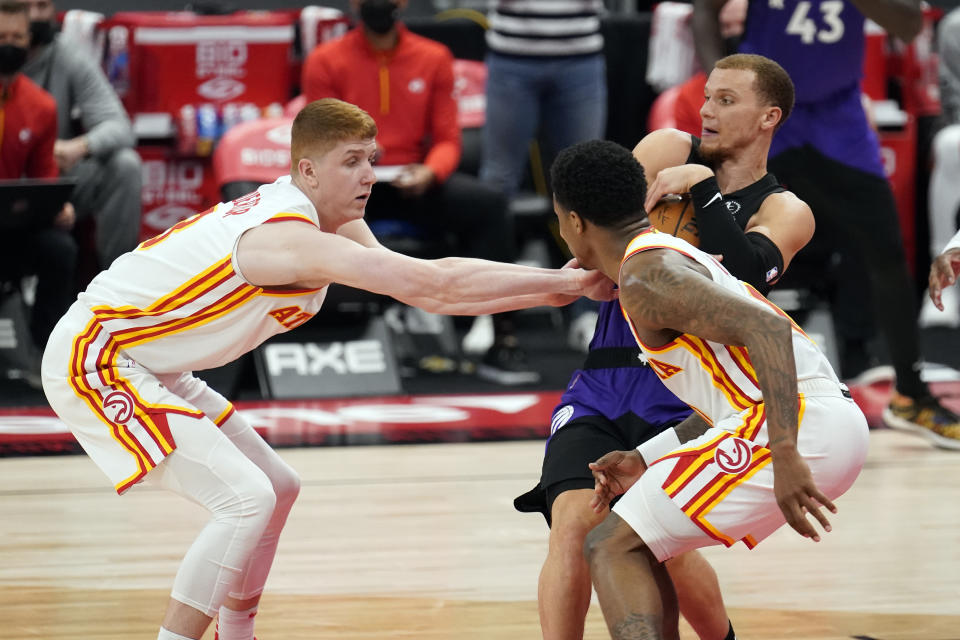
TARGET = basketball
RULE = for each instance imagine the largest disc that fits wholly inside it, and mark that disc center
(674, 214)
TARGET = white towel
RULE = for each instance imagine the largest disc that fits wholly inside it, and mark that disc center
(319, 24)
(671, 58)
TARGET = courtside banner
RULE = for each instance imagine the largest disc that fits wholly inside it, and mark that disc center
(332, 422)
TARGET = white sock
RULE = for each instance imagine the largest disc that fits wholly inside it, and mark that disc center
(166, 634)
(236, 625)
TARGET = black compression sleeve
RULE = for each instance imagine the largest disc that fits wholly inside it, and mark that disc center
(752, 257)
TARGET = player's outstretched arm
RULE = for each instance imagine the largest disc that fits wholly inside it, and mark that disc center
(293, 254)
(666, 292)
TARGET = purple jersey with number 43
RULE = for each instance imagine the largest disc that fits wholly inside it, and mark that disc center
(819, 43)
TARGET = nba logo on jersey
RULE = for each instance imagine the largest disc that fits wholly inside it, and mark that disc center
(118, 406)
(733, 455)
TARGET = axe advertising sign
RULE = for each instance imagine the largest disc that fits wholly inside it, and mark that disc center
(337, 362)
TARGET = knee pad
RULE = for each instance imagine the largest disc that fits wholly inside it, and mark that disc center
(253, 501)
(286, 484)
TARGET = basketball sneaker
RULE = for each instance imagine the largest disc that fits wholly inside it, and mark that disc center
(924, 416)
(506, 364)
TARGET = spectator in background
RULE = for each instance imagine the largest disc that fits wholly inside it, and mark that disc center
(101, 157)
(944, 187)
(546, 72)
(28, 128)
(689, 98)
(405, 82)
(828, 155)
(546, 75)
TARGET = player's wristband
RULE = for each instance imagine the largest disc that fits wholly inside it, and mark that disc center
(659, 446)
(706, 196)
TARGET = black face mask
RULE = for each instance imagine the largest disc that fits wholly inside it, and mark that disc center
(378, 15)
(41, 32)
(12, 58)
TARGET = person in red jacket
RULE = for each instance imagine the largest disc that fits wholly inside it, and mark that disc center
(28, 129)
(405, 82)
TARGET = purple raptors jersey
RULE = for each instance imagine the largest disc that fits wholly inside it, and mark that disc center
(819, 43)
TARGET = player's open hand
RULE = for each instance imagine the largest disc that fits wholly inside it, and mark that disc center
(613, 474)
(943, 273)
(797, 495)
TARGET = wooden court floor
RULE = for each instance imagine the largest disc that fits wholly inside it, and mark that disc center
(421, 541)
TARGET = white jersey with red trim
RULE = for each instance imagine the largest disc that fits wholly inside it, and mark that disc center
(178, 302)
(715, 379)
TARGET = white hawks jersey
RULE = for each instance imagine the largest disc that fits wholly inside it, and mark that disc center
(717, 380)
(178, 302)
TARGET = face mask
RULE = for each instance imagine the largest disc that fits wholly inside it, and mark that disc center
(378, 15)
(41, 32)
(12, 58)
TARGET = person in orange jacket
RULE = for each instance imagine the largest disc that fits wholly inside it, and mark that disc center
(405, 81)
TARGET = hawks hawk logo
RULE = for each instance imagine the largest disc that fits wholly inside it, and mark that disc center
(664, 369)
(733, 455)
(118, 405)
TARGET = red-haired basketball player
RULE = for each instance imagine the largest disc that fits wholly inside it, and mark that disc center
(210, 289)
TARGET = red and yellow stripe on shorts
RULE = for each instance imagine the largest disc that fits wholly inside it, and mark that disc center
(696, 469)
(93, 376)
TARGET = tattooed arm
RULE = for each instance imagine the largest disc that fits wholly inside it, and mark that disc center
(666, 293)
